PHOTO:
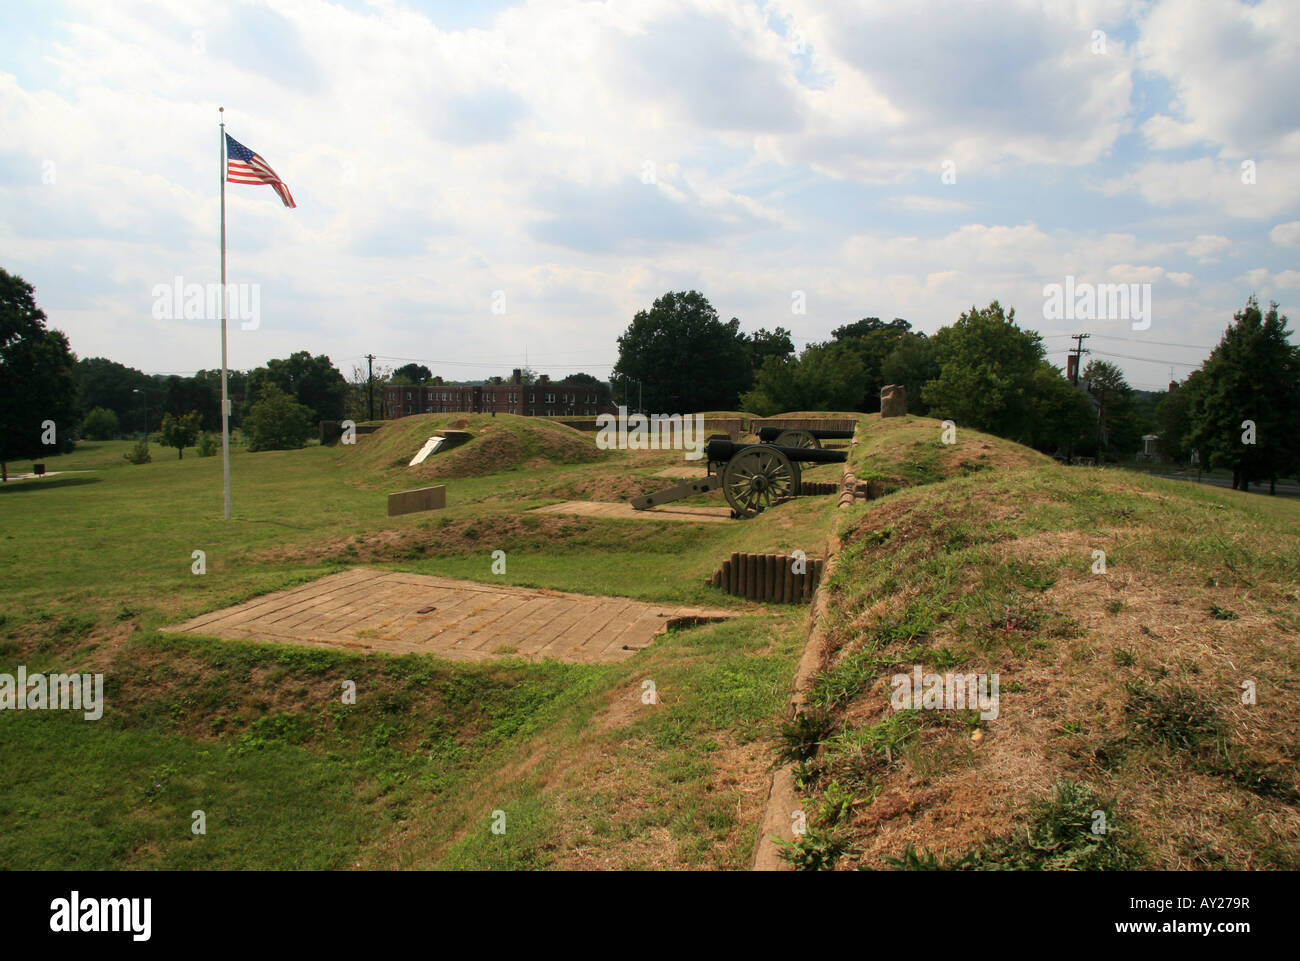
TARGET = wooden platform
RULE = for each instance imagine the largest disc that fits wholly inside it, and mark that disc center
(685, 471)
(624, 511)
(393, 612)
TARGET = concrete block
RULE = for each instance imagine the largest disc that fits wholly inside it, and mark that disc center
(420, 499)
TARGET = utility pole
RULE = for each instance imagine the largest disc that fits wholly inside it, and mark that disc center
(370, 384)
(1078, 355)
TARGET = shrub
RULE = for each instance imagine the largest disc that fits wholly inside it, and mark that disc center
(139, 454)
(100, 424)
(207, 445)
(276, 422)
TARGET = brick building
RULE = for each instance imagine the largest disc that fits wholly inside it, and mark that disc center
(542, 399)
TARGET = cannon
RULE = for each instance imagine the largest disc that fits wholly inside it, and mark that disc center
(801, 436)
(751, 476)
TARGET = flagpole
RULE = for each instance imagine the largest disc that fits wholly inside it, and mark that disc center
(225, 398)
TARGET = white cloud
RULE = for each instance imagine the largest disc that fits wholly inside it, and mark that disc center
(1217, 184)
(1233, 69)
(433, 166)
(922, 203)
(1207, 247)
(1286, 235)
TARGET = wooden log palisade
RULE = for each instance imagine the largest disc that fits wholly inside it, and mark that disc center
(769, 578)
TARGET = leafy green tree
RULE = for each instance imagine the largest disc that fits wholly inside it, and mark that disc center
(764, 344)
(1174, 417)
(105, 383)
(184, 394)
(411, 374)
(987, 368)
(313, 381)
(236, 387)
(685, 358)
(874, 341)
(823, 377)
(180, 432)
(100, 424)
(1118, 430)
(1253, 376)
(1064, 418)
(275, 421)
(913, 364)
(38, 387)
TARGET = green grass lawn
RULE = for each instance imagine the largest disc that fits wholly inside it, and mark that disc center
(256, 735)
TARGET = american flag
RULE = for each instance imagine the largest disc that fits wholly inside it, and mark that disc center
(245, 167)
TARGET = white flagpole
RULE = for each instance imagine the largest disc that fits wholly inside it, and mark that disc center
(225, 399)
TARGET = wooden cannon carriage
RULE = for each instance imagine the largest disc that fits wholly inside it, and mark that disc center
(751, 476)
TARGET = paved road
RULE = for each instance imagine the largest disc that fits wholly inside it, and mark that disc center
(1290, 490)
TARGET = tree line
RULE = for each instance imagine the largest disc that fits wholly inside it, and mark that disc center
(985, 372)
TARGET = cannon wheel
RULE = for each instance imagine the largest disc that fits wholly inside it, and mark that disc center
(797, 438)
(756, 477)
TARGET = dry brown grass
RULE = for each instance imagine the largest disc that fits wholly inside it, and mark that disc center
(1199, 596)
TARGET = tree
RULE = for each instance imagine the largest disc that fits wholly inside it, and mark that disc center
(987, 366)
(1064, 417)
(275, 421)
(1174, 417)
(105, 383)
(824, 377)
(38, 388)
(685, 358)
(1242, 417)
(100, 424)
(236, 388)
(357, 402)
(764, 344)
(313, 381)
(1117, 424)
(874, 341)
(581, 379)
(913, 364)
(182, 394)
(180, 432)
(411, 374)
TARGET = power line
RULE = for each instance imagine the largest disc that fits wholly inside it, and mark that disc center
(1149, 360)
(1154, 343)
(465, 363)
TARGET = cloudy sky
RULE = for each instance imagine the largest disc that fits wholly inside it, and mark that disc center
(477, 182)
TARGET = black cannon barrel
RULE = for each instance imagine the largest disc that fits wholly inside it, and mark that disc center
(769, 434)
(720, 451)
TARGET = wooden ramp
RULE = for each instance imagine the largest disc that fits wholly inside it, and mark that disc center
(393, 612)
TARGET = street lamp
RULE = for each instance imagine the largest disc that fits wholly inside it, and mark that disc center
(144, 397)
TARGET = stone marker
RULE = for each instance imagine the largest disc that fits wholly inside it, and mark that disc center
(420, 499)
(893, 400)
